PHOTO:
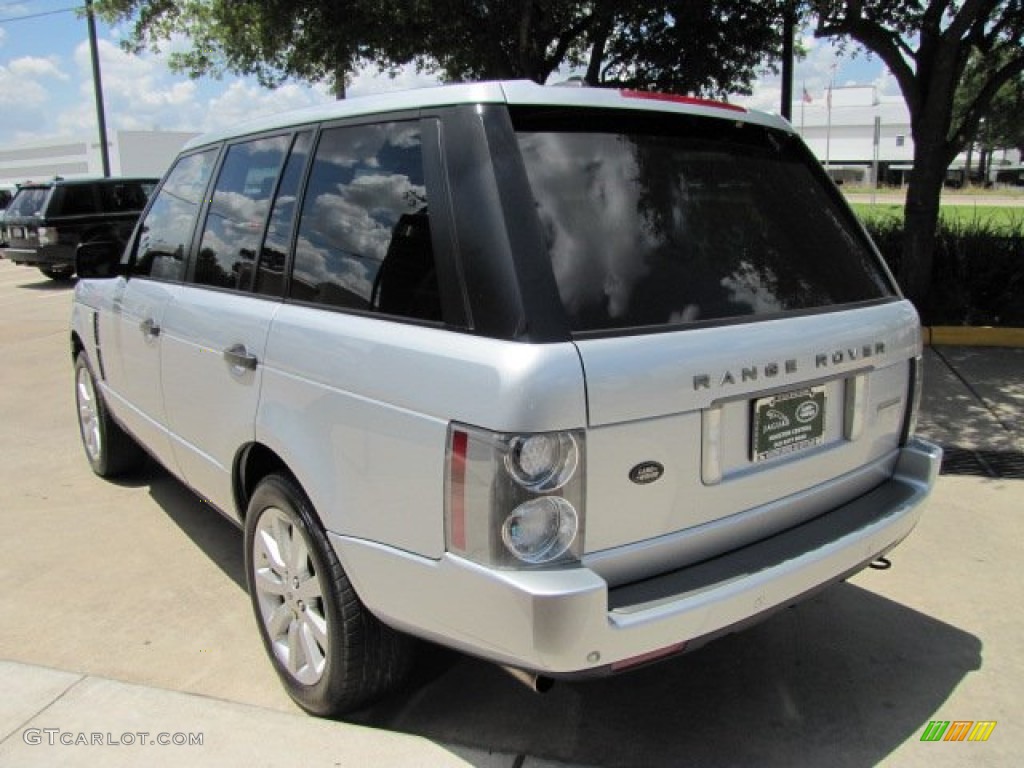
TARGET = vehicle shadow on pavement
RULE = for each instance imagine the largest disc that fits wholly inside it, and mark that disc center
(840, 680)
(48, 285)
(214, 534)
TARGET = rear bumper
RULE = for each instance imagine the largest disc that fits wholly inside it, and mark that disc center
(47, 256)
(568, 622)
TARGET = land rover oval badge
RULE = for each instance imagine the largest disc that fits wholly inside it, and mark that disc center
(646, 473)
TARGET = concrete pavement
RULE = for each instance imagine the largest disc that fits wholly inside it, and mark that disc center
(124, 613)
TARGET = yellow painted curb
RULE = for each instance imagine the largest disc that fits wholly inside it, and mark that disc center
(966, 336)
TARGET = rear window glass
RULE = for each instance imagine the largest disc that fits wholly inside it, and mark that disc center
(28, 201)
(664, 220)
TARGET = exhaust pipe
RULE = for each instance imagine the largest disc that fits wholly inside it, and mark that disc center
(535, 682)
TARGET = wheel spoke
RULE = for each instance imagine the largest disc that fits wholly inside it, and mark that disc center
(298, 553)
(269, 582)
(267, 546)
(281, 530)
(279, 621)
(317, 625)
(312, 650)
(294, 648)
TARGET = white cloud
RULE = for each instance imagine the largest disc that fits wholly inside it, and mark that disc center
(34, 66)
(242, 101)
(852, 66)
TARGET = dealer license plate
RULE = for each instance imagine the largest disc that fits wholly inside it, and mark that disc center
(788, 422)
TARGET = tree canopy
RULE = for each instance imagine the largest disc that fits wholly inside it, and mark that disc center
(706, 47)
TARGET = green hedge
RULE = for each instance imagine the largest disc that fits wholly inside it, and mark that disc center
(978, 276)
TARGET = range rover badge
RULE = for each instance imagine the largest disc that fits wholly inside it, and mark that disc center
(646, 473)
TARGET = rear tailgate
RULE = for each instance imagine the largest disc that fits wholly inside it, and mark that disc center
(22, 235)
(737, 461)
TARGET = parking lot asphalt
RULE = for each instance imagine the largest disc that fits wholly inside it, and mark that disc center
(125, 613)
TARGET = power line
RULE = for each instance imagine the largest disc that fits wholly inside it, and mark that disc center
(41, 14)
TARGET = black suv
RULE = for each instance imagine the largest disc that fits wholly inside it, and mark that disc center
(45, 222)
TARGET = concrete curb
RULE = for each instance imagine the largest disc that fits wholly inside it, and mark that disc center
(967, 336)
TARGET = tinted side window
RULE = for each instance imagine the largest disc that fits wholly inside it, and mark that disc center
(238, 210)
(270, 274)
(364, 234)
(122, 197)
(166, 231)
(76, 200)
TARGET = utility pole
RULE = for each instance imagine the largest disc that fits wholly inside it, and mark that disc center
(788, 33)
(97, 84)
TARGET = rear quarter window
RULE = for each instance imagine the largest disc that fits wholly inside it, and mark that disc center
(662, 220)
(364, 238)
(74, 200)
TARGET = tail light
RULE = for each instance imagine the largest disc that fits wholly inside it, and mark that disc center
(913, 399)
(514, 500)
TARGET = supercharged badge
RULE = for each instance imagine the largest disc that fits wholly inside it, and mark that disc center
(646, 473)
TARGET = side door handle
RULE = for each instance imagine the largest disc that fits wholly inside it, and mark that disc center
(239, 357)
(149, 328)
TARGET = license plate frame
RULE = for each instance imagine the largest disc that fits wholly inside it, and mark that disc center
(787, 422)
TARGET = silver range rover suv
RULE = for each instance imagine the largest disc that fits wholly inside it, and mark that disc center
(568, 379)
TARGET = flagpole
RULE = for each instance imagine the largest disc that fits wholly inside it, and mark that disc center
(828, 128)
(803, 105)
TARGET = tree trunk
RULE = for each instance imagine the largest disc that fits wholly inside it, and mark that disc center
(921, 217)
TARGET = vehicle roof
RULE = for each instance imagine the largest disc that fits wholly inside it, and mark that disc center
(47, 183)
(513, 92)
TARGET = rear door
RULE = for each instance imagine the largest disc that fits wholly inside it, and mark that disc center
(215, 332)
(746, 355)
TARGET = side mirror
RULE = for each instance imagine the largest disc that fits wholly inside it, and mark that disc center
(98, 259)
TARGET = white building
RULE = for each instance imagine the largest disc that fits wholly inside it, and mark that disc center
(132, 153)
(844, 138)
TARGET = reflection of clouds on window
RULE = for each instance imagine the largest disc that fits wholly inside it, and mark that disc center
(190, 177)
(364, 180)
(237, 208)
(589, 206)
(320, 268)
(754, 288)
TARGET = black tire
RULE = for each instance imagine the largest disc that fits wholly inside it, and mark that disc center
(363, 659)
(58, 273)
(109, 449)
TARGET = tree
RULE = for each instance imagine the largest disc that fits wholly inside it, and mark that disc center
(270, 39)
(1002, 125)
(927, 47)
(707, 47)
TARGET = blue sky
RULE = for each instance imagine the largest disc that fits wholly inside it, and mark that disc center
(46, 81)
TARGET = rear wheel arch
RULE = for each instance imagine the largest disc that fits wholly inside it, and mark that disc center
(254, 462)
(77, 346)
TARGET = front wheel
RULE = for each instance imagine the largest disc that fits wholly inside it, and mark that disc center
(109, 449)
(331, 653)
